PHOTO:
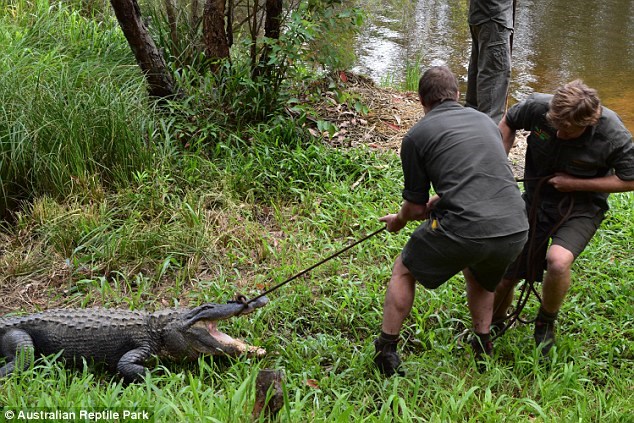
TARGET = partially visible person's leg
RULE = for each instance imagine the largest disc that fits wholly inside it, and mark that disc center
(504, 294)
(482, 279)
(568, 242)
(494, 69)
(555, 287)
(399, 299)
(471, 96)
(557, 280)
(480, 303)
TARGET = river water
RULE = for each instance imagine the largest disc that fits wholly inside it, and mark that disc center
(555, 41)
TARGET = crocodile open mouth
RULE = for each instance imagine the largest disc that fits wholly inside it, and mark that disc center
(232, 346)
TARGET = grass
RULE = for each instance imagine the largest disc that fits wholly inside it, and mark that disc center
(182, 227)
(318, 329)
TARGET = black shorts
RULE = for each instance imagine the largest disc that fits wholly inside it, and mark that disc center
(574, 234)
(433, 256)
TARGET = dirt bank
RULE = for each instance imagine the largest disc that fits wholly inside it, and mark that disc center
(390, 114)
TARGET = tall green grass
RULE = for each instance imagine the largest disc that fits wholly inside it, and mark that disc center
(319, 328)
(73, 105)
(407, 79)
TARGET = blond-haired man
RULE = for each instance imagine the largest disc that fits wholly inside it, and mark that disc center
(577, 153)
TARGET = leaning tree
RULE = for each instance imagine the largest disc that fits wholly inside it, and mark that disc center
(218, 21)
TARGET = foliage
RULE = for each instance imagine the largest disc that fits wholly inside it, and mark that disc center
(73, 107)
(334, 25)
(262, 73)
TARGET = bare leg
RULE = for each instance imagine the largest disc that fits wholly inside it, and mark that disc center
(554, 289)
(557, 279)
(399, 298)
(504, 295)
(480, 302)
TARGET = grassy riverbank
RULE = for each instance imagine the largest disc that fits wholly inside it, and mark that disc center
(115, 210)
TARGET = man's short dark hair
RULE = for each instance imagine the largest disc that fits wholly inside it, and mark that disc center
(436, 85)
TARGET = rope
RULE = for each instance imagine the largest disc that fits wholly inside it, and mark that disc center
(529, 282)
(243, 300)
(528, 286)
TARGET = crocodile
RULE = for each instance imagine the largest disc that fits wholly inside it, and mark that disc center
(123, 340)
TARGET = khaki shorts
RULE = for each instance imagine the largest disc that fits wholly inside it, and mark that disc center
(574, 235)
(433, 256)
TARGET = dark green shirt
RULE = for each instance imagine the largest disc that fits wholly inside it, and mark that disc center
(459, 152)
(602, 149)
(500, 11)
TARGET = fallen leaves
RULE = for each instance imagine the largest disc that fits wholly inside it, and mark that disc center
(363, 114)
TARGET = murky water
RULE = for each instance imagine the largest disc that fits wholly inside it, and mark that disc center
(555, 41)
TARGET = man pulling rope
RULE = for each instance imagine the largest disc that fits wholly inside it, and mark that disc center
(589, 153)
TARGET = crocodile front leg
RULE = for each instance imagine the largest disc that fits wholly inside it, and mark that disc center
(131, 364)
(17, 346)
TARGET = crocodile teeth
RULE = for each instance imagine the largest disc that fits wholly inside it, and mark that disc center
(228, 343)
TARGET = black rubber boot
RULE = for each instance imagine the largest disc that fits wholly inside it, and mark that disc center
(545, 331)
(482, 346)
(386, 358)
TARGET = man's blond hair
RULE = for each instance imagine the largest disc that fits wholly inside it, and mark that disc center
(574, 104)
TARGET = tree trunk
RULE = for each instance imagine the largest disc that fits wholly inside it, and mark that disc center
(214, 33)
(171, 19)
(160, 82)
(254, 30)
(272, 25)
(273, 19)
